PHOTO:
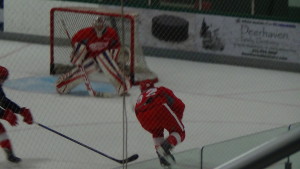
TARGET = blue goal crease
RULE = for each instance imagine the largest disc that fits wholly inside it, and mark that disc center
(46, 84)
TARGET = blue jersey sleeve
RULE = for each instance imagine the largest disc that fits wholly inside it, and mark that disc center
(6, 103)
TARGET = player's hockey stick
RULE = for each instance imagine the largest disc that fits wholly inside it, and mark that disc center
(86, 79)
(123, 161)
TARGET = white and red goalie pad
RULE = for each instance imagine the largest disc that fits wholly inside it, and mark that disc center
(79, 53)
(67, 81)
(110, 68)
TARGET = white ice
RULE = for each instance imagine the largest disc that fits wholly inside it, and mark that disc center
(222, 102)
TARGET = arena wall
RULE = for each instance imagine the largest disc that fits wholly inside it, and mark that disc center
(29, 21)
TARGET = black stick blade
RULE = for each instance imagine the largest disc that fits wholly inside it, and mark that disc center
(129, 159)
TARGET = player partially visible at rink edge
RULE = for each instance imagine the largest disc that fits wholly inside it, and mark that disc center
(96, 49)
(157, 108)
(8, 112)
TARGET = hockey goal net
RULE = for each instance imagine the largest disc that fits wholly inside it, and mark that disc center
(73, 19)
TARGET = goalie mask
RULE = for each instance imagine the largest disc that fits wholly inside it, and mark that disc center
(99, 23)
(3, 73)
(146, 84)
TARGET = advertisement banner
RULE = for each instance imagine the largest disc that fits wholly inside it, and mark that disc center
(220, 35)
(251, 38)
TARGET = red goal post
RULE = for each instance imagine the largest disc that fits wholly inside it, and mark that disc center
(76, 18)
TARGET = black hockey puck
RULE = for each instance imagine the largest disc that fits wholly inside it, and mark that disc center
(170, 28)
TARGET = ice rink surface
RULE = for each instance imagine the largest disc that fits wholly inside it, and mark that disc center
(222, 102)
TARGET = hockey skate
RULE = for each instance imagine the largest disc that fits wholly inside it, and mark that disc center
(166, 159)
(163, 162)
(11, 157)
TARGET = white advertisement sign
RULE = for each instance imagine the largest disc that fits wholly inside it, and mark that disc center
(229, 36)
(253, 38)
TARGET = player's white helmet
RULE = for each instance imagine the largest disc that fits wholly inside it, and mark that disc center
(99, 23)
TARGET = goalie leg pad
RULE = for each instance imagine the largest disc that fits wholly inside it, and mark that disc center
(113, 72)
(70, 80)
(78, 54)
(115, 53)
(90, 66)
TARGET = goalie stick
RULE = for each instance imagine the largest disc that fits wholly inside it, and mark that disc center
(87, 82)
(123, 161)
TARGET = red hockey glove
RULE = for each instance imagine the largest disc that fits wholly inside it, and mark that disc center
(10, 117)
(27, 115)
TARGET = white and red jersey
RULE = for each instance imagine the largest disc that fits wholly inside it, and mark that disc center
(96, 45)
(155, 96)
(157, 108)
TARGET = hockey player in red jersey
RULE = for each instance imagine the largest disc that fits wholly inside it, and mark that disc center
(95, 49)
(157, 108)
(8, 111)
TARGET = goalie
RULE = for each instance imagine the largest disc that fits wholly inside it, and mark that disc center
(95, 49)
